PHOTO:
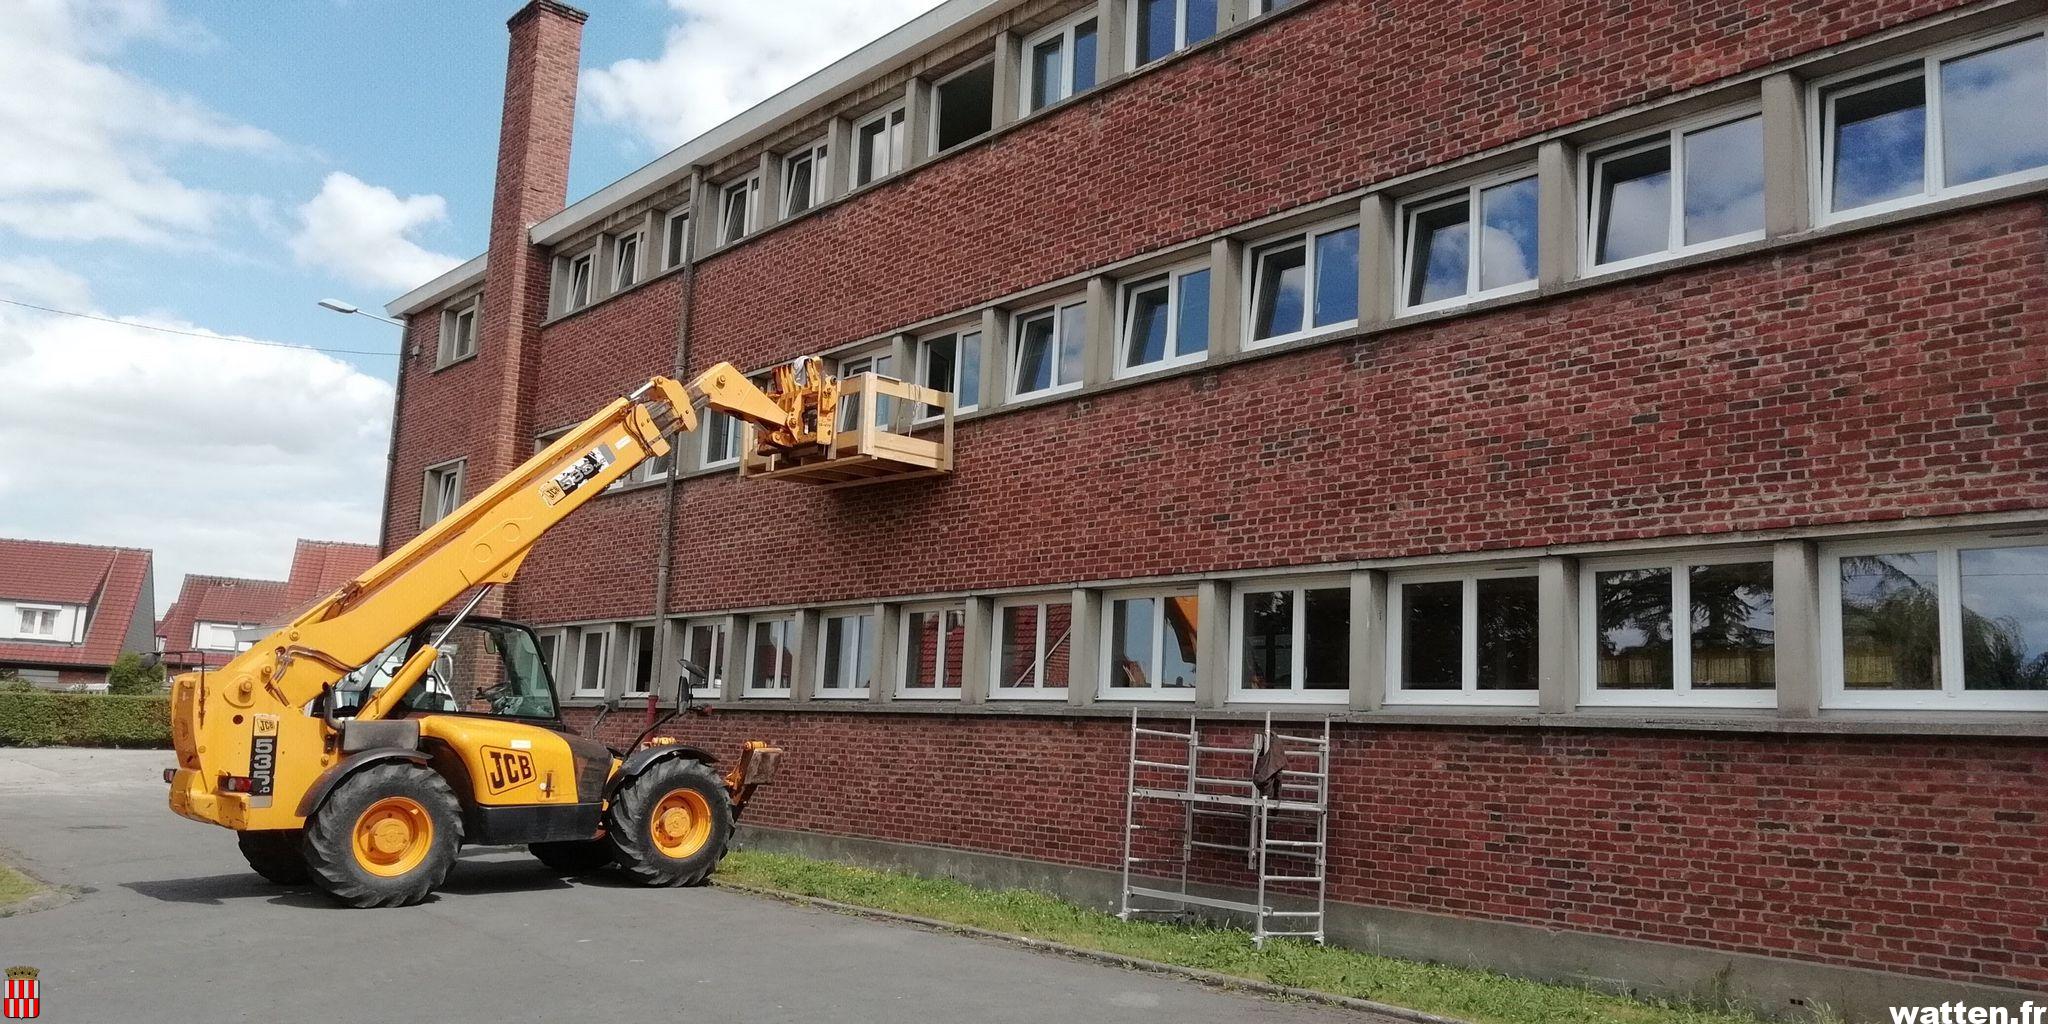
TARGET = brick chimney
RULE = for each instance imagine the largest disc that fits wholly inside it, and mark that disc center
(532, 185)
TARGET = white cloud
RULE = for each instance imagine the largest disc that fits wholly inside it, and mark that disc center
(723, 57)
(214, 455)
(44, 283)
(86, 141)
(360, 231)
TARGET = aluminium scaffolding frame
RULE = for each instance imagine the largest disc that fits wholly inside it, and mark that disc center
(1293, 798)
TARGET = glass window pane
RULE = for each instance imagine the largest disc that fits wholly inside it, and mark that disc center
(1277, 308)
(1734, 638)
(1635, 205)
(874, 154)
(591, 675)
(1177, 652)
(1130, 641)
(1891, 625)
(1268, 653)
(953, 643)
(1146, 325)
(1433, 636)
(799, 192)
(1073, 342)
(2005, 618)
(1724, 180)
(1507, 236)
(1326, 639)
(1048, 72)
(1201, 20)
(1440, 239)
(849, 651)
(1336, 277)
(1155, 29)
(1633, 644)
(1990, 111)
(1084, 56)
(1059, 646)
(968, 393)
(1880, 143)
(1507, 633)
(1017, 656)
(1034, 354)
(770, 661)
(1191, 334)
(939, 367)
(643, 659)
(705, 651)
(921, 654)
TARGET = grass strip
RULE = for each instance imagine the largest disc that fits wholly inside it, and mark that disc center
(15, 887)
(1481, 997)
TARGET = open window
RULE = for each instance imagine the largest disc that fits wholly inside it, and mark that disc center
(878, 145)
(1059, 62)
(950, 362)
(963, 106)
(458, 332)
(803, 179)
(1163, 321)
(1472, 242)
(1047, 349)
(1303, 283)
(1695, 186)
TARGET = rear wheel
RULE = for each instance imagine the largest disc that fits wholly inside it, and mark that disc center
(576, 856)
(275, 854)
(670, 825)
(386, 837)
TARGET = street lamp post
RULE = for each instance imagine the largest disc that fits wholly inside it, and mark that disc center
(349, 307)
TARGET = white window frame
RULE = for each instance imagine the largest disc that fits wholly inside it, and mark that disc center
(1681, 693)
(1037, 690)
(1126, 309)
(932, 134)
(746, 190)
(431, 490)
(1951, 696)
(721, 425)
(449, 349)
(817, 155)
(1299, 586)
(631, 633)
(1671, 137)
(897, 146)
(870, 658)
(721, 648)
(1180, 31)
(583, 264)
(1060, 310)
(1469, 193)
(603, 634)
(1468, 692)
(1933, 168)
(626, 260)
(675, 226)
(1250, 297)
(961, 403)
(785, 658)
(1106, 661)
(946, 689)
(48, 612)
(551, 657)
(1064, 31)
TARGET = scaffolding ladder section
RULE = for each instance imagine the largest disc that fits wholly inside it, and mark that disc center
(1186, 796)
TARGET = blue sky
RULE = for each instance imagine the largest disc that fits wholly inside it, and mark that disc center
(198, 175)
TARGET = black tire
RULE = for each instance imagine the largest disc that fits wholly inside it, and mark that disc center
(574, 857)
(632, 824)
(330, 837)
(275, 854)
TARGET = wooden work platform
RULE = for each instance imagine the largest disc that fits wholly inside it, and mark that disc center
(873, 443)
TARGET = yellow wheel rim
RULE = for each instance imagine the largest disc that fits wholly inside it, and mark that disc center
(393, 836)
(681, 824)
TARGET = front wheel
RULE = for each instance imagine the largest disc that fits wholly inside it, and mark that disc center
(670, 824)
(386, 837)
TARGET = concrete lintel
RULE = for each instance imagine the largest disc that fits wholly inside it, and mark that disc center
(1557, 634)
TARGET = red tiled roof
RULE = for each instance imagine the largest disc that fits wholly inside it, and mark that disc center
(109, 582)
(224, 599)
(320, 567)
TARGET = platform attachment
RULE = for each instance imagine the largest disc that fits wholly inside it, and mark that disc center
(888, 430)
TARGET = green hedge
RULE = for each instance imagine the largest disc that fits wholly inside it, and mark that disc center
(84, 720)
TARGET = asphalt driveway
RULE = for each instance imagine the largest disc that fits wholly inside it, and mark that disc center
(168, 925)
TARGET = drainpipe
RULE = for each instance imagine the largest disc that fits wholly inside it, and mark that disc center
(671, 488)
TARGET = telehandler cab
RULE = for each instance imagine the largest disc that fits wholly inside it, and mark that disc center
(361, 745)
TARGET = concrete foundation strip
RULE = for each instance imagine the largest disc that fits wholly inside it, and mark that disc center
(1211, 978)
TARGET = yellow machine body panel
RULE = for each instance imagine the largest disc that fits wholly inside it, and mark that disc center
(508, 763)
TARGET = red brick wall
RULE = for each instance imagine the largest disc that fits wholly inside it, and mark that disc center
(1327, 100)
(590, 359)
(1868, 378)
(1912, 855)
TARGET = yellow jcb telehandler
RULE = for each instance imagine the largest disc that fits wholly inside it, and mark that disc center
(362, 745)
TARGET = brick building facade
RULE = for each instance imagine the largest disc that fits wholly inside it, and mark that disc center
(1625, 422)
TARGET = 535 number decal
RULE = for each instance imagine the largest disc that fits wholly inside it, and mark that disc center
(506, 770)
